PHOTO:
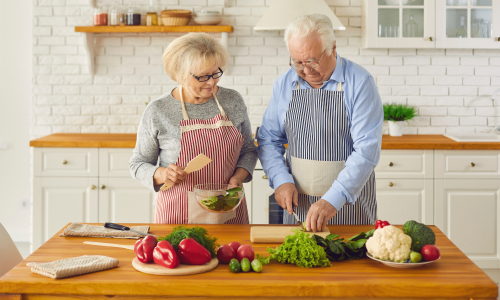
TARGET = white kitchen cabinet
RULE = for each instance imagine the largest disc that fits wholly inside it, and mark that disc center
(474, 164)
(431, 24)
(261, 191)
(400, 200)
(467, 211)
(58, 201)
(405, 164)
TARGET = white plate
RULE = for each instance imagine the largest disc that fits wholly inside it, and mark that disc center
(401, 265)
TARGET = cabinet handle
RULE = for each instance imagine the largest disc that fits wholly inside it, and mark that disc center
(92, 187)
(472, 164)
(264, 177)
(431, 39)
(103, 187)
(64, 162)
(391, 164)
(391, 184)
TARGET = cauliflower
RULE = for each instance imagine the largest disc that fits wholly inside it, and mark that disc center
(389, 243)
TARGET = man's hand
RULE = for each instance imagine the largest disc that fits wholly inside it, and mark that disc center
(287, 196)
(318, 215)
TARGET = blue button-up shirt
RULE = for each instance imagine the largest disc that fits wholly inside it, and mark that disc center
(365, 115)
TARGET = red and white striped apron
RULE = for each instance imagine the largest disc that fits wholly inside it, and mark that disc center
(218, 139)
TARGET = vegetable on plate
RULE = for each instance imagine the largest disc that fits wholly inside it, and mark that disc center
(389, 243)
(420, 235)
(181, 232)
(381, 224)
(144, 248)
(192, 253)
(164, 254)
(430, 252)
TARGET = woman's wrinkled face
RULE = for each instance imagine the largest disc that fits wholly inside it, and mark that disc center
(202, 89)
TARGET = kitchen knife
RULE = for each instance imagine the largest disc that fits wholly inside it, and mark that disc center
(124, 228)
(197, 163)
(298, 221)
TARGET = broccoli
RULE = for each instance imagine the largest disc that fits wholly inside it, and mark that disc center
(420, 234)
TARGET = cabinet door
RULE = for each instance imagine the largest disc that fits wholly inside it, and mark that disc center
(115, 162)
(261, 191)
(467, 164)
(401, 200)
(467, 24)
(398, 24)
(467, 211)
(405, 164)
(125, 200)
(58, 201)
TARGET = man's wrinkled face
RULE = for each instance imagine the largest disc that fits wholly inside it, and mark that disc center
(309, 49)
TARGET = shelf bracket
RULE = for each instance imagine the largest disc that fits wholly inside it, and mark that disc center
(225, 40)
(88, 43)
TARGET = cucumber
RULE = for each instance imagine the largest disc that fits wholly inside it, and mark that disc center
(245, 264)
(234, 265)
(257, 265)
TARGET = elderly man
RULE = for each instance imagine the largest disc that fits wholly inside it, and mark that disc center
(329, 111)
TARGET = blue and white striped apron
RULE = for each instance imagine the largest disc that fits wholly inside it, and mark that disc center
(317, 129)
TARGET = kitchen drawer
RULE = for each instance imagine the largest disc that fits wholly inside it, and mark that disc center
(115, 162)
(67, 162)
(405, 164)
(467, 164)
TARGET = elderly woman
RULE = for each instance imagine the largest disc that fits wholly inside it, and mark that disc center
(196, 117)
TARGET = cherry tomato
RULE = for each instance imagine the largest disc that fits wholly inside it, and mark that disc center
(245, 251)
(381, 224)
(430, 252)
(384, 223)
(225, 253)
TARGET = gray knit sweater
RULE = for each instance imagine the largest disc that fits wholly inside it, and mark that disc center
(159, 133)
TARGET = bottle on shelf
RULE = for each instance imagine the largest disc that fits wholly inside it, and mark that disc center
(100, 16)
(152, 16)
(133, 17)
(116, 17)
(411, 28)
(462, 30)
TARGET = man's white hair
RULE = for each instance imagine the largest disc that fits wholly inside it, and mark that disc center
(303, 26)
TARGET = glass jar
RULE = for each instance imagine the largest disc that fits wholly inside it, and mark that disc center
(133, 17)
(152, 17)
(100, 16)
(116, 16)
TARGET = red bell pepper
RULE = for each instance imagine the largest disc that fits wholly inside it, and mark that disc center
(192, 253)
(143, 249)
(164, 255)
(381, 224)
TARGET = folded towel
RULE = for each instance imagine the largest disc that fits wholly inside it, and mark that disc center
(74, 266)
(77, 229)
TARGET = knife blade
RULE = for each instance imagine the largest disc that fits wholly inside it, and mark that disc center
(197, 163)
(299, 222)
(124, 228)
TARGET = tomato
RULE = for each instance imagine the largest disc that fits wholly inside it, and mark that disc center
(245, 251)
(381, 224)
(384, 223)
(235, 246)
(430, 252)
(225, 253)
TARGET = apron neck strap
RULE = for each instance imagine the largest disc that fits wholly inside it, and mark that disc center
(339, 86)
(184, 112)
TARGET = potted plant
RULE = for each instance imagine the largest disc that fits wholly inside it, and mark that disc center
(396, 114)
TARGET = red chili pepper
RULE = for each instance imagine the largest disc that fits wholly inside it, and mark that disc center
(192, 253)
(164, 254)
(143, 248)
(381, 224)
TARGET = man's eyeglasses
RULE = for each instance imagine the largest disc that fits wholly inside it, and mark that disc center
(207, 77)
(312, 64)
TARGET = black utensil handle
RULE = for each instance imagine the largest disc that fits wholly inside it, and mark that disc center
(115, 226)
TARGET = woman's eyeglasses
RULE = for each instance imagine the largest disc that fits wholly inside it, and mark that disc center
(207, 77)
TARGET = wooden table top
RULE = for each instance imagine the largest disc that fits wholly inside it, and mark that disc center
(453, 276)
(105, 140)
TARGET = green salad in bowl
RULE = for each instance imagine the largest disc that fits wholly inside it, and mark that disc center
(218, 198)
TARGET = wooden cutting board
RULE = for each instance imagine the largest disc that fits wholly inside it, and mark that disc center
(182, 269)
(276, 234)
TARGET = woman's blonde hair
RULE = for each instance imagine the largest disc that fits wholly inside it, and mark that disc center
(193, 53)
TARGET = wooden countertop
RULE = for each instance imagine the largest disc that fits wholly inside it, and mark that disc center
(454, 276)
(104, 140)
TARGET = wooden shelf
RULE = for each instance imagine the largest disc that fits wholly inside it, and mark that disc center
(146, 29)
(89, 31)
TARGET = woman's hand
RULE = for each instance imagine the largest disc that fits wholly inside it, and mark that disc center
(239, 175)
(172, 175)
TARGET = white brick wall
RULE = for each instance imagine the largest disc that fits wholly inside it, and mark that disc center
(451, 87)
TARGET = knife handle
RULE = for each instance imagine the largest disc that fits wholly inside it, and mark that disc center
(116, 226)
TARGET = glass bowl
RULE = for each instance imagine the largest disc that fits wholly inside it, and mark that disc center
(218, 198)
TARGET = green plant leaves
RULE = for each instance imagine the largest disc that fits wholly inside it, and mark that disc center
(399, 112)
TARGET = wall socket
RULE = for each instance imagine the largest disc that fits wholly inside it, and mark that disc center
(24, 203)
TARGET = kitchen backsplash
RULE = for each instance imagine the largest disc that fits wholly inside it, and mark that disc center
(452, 88)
